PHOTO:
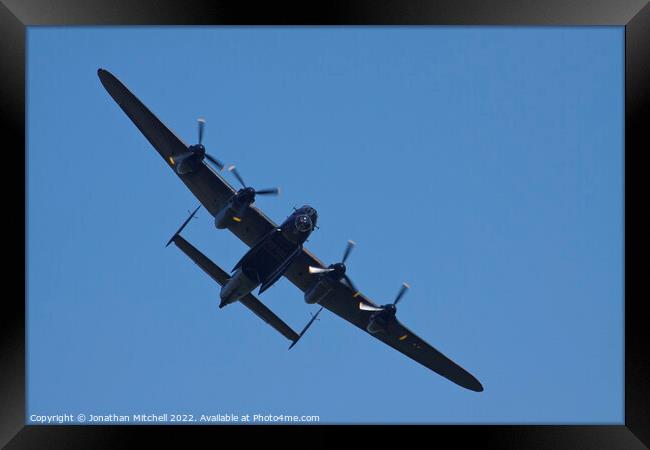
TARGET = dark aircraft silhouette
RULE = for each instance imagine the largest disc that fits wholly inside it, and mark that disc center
(275, 250)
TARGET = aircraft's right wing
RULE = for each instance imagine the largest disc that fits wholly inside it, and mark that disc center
(210, 188)
(221, 277)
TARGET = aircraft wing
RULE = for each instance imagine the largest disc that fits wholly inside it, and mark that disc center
(213, 192)
(206, 184)
(221, 277)
(405, 341)
(342, 302)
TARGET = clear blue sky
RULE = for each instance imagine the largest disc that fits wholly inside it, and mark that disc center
(484, 166)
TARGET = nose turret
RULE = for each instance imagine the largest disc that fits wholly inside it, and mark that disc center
(311, 212)
(303, 223)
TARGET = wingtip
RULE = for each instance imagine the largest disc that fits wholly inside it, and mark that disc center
(105, 77)
(466, 380)
(475, 386)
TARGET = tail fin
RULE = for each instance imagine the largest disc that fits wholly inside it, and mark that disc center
(306, 328)
(182, 226)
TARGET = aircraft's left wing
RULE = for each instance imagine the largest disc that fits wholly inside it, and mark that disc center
(405, 341)
(343, 302)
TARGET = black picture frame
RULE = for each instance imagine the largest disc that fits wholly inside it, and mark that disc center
(16, 15)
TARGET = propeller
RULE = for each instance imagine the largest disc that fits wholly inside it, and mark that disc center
(270, 191)
(201, 148)
(201, 122)
(316, 270)
(393, 306)
(347, 251)
(339, 268)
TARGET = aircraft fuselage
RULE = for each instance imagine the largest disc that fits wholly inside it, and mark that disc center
(265, 262)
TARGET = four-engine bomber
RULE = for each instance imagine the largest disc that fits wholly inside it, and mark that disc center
(275, 250)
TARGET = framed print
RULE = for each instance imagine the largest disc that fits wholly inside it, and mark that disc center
(429, 209)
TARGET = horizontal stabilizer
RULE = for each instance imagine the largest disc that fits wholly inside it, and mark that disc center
(221, 277)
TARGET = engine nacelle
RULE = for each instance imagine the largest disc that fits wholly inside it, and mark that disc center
(234, 208)
(223, 217)
(186, 163)
(379, 321)
(318, 291)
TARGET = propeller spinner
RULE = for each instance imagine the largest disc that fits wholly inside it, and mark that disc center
(200, 148)
(247, 194)
(271, 191)
(337, 270)
(391, 306)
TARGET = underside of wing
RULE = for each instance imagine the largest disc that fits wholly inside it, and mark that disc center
(205, 183)
(161, 137)
(405, 341)
(343, 302)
